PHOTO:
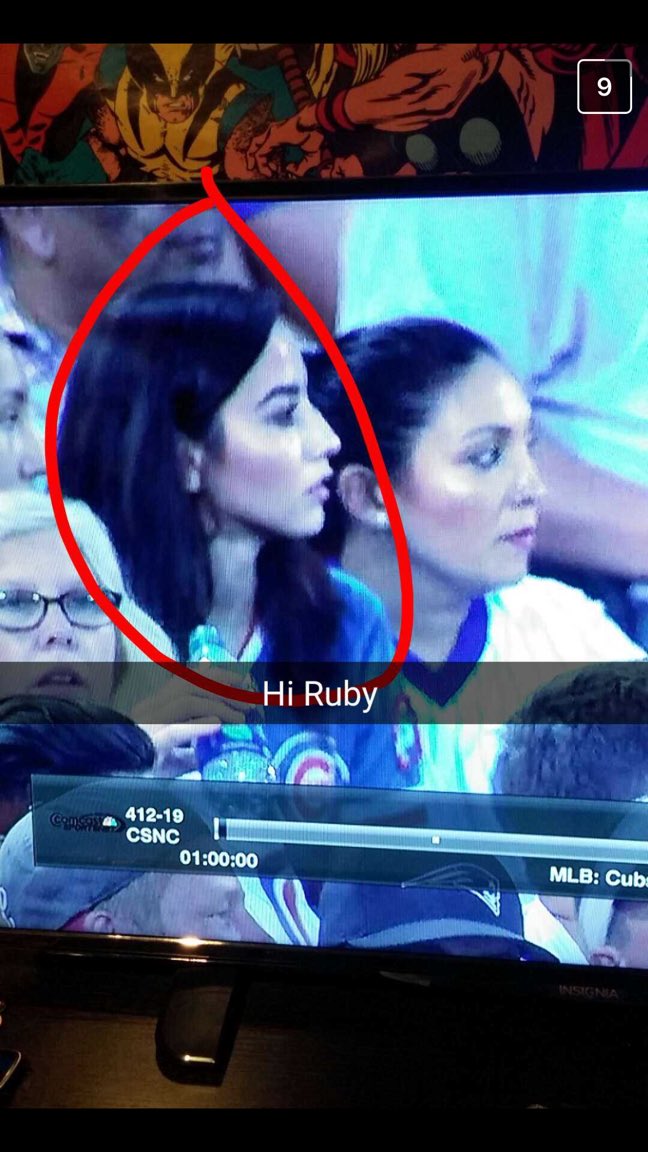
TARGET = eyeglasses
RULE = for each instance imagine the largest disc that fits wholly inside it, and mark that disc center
(22, 610)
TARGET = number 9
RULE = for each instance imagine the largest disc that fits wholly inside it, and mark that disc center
(604, 86)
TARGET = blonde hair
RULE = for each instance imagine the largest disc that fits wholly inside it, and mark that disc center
(370, 61)
(24, 512)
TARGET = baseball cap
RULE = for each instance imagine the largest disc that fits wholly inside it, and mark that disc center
(40, 897)
(427, 919)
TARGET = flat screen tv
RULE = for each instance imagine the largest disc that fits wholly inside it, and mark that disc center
(206, 748)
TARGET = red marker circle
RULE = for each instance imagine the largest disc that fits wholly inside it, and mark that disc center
(215, 199)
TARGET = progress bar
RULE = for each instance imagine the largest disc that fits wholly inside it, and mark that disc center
(334, 835)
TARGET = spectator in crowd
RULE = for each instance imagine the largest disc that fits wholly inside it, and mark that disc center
(583, 736)
(455, 430)
(55, 640)
(54, 259)
(51, 735)
(615, 932)
(231, 479)
(22, 458)
(129, 903)
(556, 282)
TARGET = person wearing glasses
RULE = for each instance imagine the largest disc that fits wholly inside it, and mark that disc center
(57, 646)
(54, 638)
(56, 641)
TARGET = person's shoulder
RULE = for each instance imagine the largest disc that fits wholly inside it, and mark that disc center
(363, 620)
(541, 593)
(357, 598)
(543, 619)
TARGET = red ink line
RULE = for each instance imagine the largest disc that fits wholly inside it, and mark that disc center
(103, 298)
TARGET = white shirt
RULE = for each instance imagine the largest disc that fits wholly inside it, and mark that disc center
(535, 630)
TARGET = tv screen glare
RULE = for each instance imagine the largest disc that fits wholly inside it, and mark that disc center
(322, 636)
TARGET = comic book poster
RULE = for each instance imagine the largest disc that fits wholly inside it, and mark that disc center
(99, 113)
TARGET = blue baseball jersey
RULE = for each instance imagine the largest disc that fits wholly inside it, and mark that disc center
(361, 753)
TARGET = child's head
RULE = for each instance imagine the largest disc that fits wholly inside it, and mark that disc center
(584, 736)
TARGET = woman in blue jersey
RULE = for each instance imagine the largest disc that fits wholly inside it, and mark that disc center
(455, 430)
(188, 428)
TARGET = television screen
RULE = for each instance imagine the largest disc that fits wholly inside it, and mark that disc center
(323, 617)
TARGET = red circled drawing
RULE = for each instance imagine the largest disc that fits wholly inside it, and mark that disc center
(216, 200)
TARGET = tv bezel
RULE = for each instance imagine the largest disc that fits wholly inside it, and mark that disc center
(484, 976)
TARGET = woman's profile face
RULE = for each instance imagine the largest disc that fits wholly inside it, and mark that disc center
(267, 465)
(470, 497)
(73, 662)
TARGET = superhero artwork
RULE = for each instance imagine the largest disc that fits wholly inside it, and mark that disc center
(97, 113)
(49, 99)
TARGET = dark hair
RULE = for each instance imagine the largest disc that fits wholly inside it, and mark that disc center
(401, 369)
(51, 735)
(584, 736)
(161, 363)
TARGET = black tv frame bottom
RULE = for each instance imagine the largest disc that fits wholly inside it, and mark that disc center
(364, 1038)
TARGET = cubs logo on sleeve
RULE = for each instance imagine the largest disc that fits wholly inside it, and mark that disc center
(310, 758)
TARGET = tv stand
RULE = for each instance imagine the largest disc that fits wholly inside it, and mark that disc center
(198, 1025)
(558, 1051)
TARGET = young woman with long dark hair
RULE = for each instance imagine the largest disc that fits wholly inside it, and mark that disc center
(188, 428)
